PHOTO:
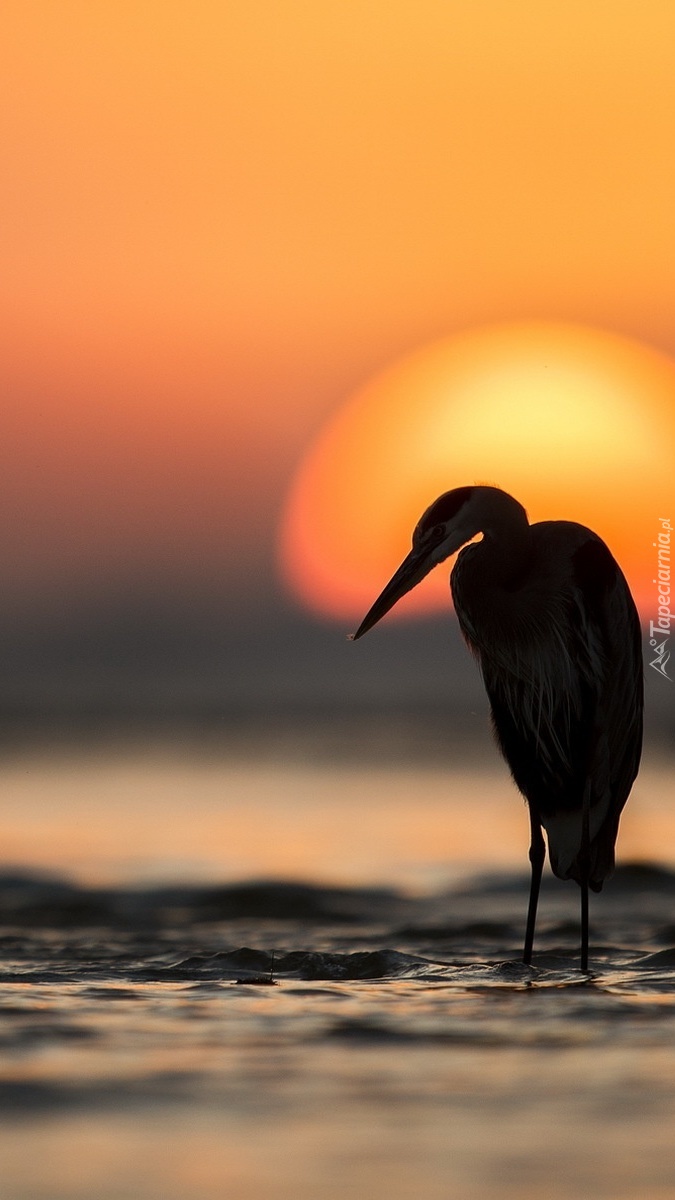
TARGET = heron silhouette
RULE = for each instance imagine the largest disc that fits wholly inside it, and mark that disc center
(547, 612)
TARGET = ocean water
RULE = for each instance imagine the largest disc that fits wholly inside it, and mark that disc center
(239, 977)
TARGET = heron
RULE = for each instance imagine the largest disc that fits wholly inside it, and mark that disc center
(548, 614)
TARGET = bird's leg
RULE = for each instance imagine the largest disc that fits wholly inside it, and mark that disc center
(585, 867)
(584, 925)
(537, 855)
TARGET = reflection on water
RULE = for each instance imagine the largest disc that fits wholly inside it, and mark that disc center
(207, 1036)
(382, 1090)
(162, 814)
(379, 1045)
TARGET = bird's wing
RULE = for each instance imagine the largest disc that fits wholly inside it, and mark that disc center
(609, 629)
(564, 679)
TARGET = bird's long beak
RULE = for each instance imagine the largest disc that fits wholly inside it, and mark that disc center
(413, 569)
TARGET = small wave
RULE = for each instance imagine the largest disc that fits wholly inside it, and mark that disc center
(661, 958)
(307, 965)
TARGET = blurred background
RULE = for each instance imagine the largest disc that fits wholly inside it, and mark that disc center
(218, 223)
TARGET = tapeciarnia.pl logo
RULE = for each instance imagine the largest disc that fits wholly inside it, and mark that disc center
(661, 626)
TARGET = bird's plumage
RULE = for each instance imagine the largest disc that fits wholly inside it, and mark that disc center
(548, 613)
(559, 651)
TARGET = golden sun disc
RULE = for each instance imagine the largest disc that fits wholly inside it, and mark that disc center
(577, 423)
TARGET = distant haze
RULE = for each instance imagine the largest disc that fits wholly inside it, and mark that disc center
(271, 678)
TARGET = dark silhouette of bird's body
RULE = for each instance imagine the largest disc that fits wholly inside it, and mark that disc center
(548, 614)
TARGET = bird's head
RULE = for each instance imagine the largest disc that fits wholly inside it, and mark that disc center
(447, 525)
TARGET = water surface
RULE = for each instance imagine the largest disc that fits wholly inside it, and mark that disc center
(245, 979)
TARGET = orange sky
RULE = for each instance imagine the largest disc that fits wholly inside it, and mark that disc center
(218, 220)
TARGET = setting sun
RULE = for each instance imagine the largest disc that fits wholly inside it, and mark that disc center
(575, 422)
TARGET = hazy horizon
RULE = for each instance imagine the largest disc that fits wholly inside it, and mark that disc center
(131, 665)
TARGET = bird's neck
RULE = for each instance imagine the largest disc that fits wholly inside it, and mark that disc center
(507, 545)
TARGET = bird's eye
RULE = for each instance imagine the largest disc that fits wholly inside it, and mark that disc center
(438, 531)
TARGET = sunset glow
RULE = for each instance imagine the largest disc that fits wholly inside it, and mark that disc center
(578, 424)
(215, 225)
